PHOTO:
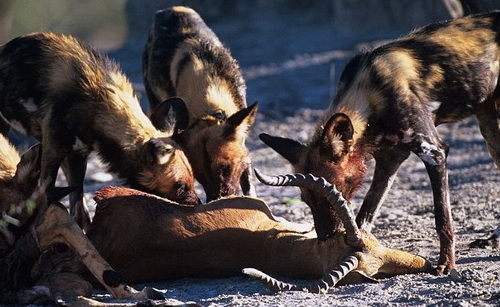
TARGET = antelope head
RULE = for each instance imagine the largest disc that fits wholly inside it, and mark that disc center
(215, 146)
(363, 253)
(331, 156)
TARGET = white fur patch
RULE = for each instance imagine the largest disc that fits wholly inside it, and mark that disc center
(433, 106)
(194, 68)
(29, 105)
(298, 227)
(17, 126)
(220, 97)
(427, 154)
(162, 160)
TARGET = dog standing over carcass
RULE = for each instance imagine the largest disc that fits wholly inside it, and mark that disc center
(74, 100)
(186, 66)
(387, 105)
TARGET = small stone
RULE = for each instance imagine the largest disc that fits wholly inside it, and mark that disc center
(455, 276)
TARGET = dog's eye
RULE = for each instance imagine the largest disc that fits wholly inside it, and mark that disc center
(219, 115)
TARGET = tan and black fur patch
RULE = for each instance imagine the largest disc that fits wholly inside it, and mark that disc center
(9, 158)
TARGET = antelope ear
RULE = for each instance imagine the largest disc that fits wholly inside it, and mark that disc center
(171, 114)
(287, 148)
(244, 116)
(337, 135)
(28, 169)
(158, 152)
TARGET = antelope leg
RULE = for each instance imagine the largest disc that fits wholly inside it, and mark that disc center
(57, 226)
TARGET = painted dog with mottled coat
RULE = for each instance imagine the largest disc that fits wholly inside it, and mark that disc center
(186, 65)
(75, 100)
(387, 105)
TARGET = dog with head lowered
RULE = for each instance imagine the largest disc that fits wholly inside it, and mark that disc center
(388, 104)
(74, 100)
(187, 68)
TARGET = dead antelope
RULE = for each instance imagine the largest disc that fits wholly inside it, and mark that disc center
(387, 105)
(148, 238)
(75, 100)
(28, 226)
(187, 67)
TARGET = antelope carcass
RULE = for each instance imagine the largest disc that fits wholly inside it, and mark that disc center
(148, 238)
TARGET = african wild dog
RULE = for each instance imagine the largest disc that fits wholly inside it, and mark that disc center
(185, 63)
(387, 105)
(74, 100)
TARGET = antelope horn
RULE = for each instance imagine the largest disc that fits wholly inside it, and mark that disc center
(320, 185)
(322, 285)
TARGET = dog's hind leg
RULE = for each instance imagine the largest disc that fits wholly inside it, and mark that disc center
(488, 116)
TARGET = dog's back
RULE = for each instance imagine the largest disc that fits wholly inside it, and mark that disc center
(184, 58)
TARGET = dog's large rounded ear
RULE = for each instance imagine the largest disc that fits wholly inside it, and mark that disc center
(171, 115)
(158, 152)
(336, 138)
(287, 148)
(242, 119)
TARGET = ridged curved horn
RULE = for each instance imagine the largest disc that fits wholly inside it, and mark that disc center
(320, 185)
(322, 285)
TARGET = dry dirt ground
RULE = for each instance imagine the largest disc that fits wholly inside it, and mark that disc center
(406, 222)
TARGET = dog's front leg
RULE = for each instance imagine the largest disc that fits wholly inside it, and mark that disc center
(386, 167)
(432, 151)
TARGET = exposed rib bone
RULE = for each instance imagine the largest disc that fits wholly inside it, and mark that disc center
(322, 285)
(320, 185)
